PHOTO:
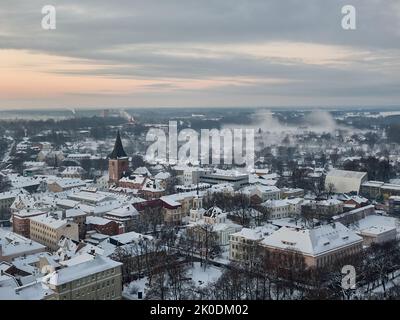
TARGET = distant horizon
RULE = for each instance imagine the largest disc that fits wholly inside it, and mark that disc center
(273, 108)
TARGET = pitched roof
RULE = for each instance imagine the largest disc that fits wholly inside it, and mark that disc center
(118, 151)
(346, 174)
(313, 241)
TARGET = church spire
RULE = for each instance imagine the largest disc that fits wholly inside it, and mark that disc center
(118, 151)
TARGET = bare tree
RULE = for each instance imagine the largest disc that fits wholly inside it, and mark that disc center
(205, 241)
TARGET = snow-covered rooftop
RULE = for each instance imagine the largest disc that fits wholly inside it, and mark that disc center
(314, 241)
(86, 267)
(15, 244)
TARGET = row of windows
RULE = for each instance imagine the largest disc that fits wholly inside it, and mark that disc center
(332, 257)
(91, 278)
(41, 238)
(44, 233)
(242, 248)
(108, 295)
(241, 240)
(100, 285)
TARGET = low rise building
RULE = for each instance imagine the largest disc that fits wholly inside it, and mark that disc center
(344, 181)
(86, 277)
(378, 189)
(21, 220)
(245, 244)
(74, 172)
(329, 207)
(394, 205)
(278, 209)
(213, 220)
(376, 229)
(64, 184)
(355, 215)
(6, 200)
(237, 179)
(13, 245)
(48, 230)
(104, 226)
(126, 215)
(319, 246)
(371, 189)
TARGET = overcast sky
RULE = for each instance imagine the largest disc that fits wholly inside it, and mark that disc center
(127, 53)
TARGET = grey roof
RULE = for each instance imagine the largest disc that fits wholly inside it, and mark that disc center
(347, 174)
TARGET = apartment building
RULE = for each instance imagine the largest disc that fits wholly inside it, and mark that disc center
(21, 220)
(126, 215)
(85, 277)
(278, 209)
(177, 206)
(48, 230)
(244, 245)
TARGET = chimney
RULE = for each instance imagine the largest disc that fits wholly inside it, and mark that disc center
(64, 214)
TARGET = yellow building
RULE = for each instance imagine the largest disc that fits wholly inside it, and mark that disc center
(48, 230)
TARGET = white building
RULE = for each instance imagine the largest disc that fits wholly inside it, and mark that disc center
(237, 179)
(319, 246)
(244, 244)
(376, 229)
(278, 209)
(262, 192)
(344, 181)
(13, 245)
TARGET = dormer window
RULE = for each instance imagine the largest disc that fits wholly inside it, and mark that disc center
(289, 243)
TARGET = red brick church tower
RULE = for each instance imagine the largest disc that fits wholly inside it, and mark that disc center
(118, 162)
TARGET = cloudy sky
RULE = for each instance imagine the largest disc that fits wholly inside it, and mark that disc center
(130, 53)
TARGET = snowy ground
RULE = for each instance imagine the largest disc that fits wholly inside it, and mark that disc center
(130, 291)
(202, 277)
